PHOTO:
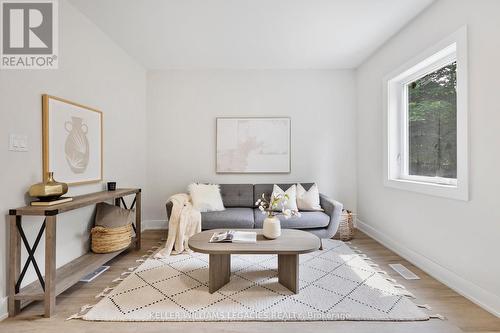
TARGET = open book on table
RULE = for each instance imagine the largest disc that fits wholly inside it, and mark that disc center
(232, 236)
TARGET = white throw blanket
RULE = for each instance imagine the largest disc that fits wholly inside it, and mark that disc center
(184, 222)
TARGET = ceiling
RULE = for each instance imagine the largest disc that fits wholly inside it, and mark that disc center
(244, 34)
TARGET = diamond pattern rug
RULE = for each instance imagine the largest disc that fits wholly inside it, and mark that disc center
(335, 284)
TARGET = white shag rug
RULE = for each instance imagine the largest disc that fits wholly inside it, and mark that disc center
(335, 284)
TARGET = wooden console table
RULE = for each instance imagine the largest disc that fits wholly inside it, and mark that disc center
(58, 280)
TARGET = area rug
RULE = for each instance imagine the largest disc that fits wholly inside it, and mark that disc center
(335, 284)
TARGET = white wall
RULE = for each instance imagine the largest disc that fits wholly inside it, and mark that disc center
(456, 241)
(183, 105)
(92, 71)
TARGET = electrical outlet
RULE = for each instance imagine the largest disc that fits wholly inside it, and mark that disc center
(18, 142)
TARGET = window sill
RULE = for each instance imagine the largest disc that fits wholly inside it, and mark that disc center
(438, 190)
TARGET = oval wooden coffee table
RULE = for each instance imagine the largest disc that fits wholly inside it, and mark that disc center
(288, 246)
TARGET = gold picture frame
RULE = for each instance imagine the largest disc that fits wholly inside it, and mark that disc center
(74, 168)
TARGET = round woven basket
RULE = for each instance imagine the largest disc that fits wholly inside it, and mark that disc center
(346, 227)
(106, 240)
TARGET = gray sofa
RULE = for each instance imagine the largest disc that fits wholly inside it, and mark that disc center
(241, 212)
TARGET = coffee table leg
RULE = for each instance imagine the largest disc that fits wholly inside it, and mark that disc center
(288, 271)
(219, 268)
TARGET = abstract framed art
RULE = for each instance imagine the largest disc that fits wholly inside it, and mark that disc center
(72, 141)
(253, 145)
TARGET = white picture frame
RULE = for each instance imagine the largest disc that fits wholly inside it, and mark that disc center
(253, 145)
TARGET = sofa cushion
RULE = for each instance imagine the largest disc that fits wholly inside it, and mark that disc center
(305, 221)
(237, 195)
(206, 197)
(111, 216)
(308, 199)
(267, 189)
(290, 203)
(229, 218)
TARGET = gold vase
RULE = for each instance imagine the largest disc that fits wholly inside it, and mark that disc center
(50, 189)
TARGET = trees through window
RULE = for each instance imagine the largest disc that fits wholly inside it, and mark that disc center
(432, 124)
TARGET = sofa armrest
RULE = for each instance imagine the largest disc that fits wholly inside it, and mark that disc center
(334, 210)
(169, 206)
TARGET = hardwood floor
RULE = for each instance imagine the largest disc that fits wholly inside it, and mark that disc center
(458, 310)
(462, 315)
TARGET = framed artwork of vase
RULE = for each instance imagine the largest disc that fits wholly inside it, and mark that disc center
(253, 145)
(72, 141)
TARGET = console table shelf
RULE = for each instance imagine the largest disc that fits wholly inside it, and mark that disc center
(55, 281)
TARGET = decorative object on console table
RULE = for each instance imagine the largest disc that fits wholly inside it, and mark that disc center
(48, 189)
(111, 186)
(49, 192)
(72, 141)
(253, 145)
(346, 226)
(272, 225)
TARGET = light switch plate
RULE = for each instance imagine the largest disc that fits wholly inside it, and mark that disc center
(18, 142)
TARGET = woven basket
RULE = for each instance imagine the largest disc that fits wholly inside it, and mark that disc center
(346, 227)
(106, 240)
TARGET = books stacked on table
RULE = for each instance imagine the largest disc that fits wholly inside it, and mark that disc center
(51, 202)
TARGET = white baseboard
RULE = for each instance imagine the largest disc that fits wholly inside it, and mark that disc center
(154, 224)
(3, 308)
(485, 299)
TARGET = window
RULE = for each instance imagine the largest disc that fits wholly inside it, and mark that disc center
(426, 117)
(431, 122)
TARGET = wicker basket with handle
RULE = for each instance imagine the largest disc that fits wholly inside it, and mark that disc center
(346, 226)
(106, 240)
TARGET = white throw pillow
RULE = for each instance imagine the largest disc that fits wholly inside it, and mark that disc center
(308, 200)
(206, 197)
(292, 200)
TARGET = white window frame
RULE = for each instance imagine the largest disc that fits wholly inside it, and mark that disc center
(396, 175)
